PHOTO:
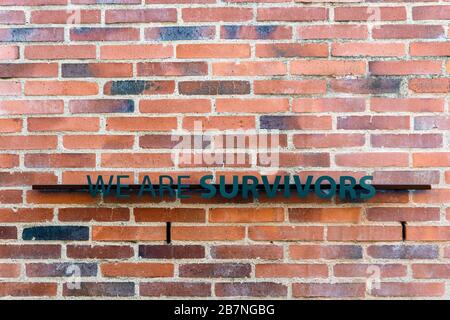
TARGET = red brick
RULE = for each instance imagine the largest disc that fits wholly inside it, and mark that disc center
(63, 124)
(436, 85)
(267, 105)
(272, 50)
(422, 49)
(328, 67)
(175, 106)
(369, 14)
(143, 51)
(431, 13)
(137, 270)
(328, 140)
(26, 178)
(28, 142)
(325, 215)
(292, 14)
(140, 160)
(408, 31)
(140, 15)
(404, 67)
(169, 215)
(11, 196)
(30, 289)
(29, 107)
(61, 160)
(215, 50)
(364, 233)
(60, 88)
(434, 159)
(266, 252)
(65, 16)
(406, 105)
(60, 52)
(332, 32)
(289, 86)
(141, 124)
(409, 289)
(431, 271)
(94, 214)
(12, 17)
(9, 52)
(98, 142)
(245, 215)
(278, 270)
(10, 125)
(351, 270)
(211, 233)
(128, 233)
(367, 49)
(327, 290)
(26, 215)
(9, 270)
(10, 88)
(253, 68)
(328, 105)
(427, 233)
(216, 14)
(285, 233)
(372, 159)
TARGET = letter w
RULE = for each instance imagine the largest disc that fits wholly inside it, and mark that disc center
(94, 190)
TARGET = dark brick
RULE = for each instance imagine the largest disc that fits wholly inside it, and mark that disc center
(215, 270)
(99, 252)
(180, 33)
(406, 140)
(251, 289)
(104, 34)
(171, 251)
(256, 32)
(101, 289)
(404, 252)
(175, 289)
(328, 290)
(8, 233)
(213, 87)
(172, 69)
(402, 214)
(102, 106)
(27, 251)
(295, 123)
(56, 233)
(432, 122)
(65, 269)
(406, 177)
(32, 34)
(128, 87)
(366, 86)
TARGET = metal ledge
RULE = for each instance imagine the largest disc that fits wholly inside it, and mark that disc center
(197, 187)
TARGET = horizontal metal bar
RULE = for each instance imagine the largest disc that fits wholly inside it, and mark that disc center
(196, 187)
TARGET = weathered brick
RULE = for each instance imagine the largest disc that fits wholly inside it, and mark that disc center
(65, 233)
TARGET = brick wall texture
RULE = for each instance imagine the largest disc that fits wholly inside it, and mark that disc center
(97, 86)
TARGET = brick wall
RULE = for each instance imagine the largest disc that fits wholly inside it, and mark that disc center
(354, 87)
